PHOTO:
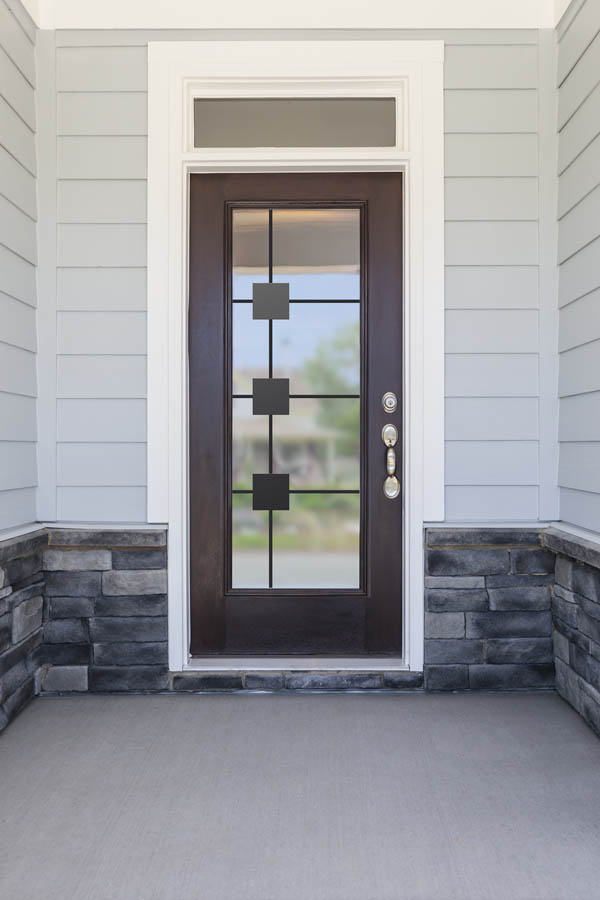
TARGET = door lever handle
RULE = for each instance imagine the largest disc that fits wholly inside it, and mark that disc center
(391, 485)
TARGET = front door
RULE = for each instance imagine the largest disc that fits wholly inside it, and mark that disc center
(295, 414)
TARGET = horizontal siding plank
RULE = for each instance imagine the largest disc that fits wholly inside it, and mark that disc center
(101, 504)
(580, 418)
(102, 377)
(140, 36)
(479, 287)
(102, 157)
(579, 370)
(108, 202)
(17, 371)
(580, 508)
(17, 276)
(16, 90)
(17, 507)
(491, 331)
(491, 419)
(101, 69)
(17, 231)
(580, 82)
(579, 322)
(491, 199)
(579, 466)
(17, 184)
(24, 19)
(18, 465)
(491, 243)
(108, 288)
(580, 226)
(103, 332)
(491, 375)
(490, 67)
(18, 417)
(490, 111)
(102, 245)
(17, 44)
(580, 178)
(101, 464)
(580, 274)
(102, 113)
(491, 462)
(17, 323)
(491, 503)
(578, 36)
(17, 137)
(580, 130)
(476, 155)
(101, 420)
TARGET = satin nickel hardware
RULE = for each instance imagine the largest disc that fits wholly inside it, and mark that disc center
(391, 485)
(389, 401)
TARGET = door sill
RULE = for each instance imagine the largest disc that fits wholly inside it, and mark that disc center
(297, 663)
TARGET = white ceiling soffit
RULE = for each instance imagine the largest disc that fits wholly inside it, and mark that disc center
(301, 14)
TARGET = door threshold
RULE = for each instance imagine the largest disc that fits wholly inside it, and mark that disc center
(296, 663)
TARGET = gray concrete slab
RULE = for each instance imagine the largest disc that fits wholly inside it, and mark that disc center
(302, 797)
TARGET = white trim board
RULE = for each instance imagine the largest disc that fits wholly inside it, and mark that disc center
(413, 72)
(310, 14)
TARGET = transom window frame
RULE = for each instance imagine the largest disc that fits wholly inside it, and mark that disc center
(412, 72)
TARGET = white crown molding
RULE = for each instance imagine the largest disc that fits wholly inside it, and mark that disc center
(263, 14)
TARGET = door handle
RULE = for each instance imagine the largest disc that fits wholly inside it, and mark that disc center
(391, 485)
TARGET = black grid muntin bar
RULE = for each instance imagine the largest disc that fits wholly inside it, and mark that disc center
(305, 491)
(305, 396)
(247, 300)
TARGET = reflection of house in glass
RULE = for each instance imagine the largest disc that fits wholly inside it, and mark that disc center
(317, 443)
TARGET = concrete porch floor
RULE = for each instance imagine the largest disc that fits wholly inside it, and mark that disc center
(301, 797)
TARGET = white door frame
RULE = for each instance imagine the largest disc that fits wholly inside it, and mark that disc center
(411, 71)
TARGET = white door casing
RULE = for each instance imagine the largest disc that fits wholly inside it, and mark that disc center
(410, 71)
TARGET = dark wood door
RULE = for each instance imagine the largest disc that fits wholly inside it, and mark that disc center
(295, 336)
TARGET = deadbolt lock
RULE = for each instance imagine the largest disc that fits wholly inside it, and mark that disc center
(389, 401)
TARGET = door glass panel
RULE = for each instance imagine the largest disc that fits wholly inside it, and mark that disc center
(249, 544)
(316, 542)
(319, 443)
(250, 345)
(249, 444)
(250, 250)
(318, 348)
(318, 252)
(295, 462)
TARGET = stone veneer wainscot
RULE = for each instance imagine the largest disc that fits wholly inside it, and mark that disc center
(488, 624)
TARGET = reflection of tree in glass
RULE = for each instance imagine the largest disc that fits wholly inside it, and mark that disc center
(331, 370)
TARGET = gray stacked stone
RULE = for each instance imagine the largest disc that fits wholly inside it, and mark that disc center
(106, 611)
(488, 623)
(21, 616)
(576, 618)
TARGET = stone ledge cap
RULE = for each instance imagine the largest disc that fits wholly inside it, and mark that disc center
(567, 544)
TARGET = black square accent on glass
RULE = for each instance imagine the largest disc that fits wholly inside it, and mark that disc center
(271, 396)
(270, 300)
(270, 492)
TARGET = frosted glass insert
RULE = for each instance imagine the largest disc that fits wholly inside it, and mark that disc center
(295, 122)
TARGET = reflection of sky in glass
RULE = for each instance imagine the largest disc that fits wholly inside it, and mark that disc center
(294, 340)
(306, 286)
